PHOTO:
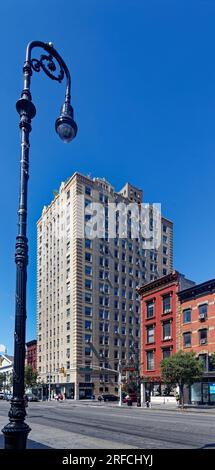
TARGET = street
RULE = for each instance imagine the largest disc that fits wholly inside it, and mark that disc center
(78, 425)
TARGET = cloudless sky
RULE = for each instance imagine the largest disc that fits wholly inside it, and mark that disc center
(143, 92)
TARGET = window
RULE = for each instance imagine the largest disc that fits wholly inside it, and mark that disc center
(88, 325)
(68, 326)
(203, 310)
(87, 351)
(150, 309)
(88, 243)
(150, 334)
(166, 353)
(167, 303)
(88, 284)
(106, 315)
(88, 257)
(88, 311)
(88, 270)
(204, 359)
(211, 364)
(88, 338)
(187, 339)
(88, 190)
(87, 202)
(150, 360)
(187, 315)
(167, 330)
(88, 297)
(203, 336)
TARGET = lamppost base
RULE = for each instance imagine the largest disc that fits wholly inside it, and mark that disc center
(15, 435)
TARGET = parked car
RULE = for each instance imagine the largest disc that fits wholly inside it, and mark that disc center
(108, 397)
(8, 396)
(2, 395)
(31, 397)
(131, 396)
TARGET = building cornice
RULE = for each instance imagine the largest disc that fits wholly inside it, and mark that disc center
(171, 278)
(205, 288)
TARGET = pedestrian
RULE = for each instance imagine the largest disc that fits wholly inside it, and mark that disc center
(177, 397)
(26, 400)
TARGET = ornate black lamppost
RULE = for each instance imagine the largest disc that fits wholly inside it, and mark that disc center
(16, 431)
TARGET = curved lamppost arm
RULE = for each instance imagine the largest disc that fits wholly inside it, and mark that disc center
(16, 431)
(46, 62)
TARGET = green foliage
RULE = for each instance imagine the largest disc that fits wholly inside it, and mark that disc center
(2, 380)
(30, 376)
(181, 369)
(212, 358)
(6, 381)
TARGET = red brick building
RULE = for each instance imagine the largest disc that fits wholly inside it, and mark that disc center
(159, 325)
(31, 354)
(197, 334)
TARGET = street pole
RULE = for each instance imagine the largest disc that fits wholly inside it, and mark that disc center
(16, 431)
(49, 386)
(142, 394)
(120, 383)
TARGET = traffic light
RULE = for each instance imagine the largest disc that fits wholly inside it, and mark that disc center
(62, 370)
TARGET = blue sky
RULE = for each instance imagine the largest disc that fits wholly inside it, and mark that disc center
(143, 91)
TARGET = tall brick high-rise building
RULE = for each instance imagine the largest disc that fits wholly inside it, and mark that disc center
(87, 306)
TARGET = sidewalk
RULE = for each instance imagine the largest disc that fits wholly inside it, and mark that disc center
(163, 406)
(48, 437)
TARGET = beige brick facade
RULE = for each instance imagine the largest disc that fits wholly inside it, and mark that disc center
(87, 306)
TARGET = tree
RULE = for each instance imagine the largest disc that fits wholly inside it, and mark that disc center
(2, 380)
(30, 376)
(212, 358)
(181, 369)
(6, 381)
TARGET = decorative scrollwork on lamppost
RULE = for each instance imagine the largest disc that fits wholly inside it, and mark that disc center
(16, 431)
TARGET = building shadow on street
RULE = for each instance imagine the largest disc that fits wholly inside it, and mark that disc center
(30, 444)
(209, 446)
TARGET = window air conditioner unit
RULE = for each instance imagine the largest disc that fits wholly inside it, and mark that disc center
(202, 316)
(203, 341)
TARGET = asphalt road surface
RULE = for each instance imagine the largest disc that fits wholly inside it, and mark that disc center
(76, 425)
